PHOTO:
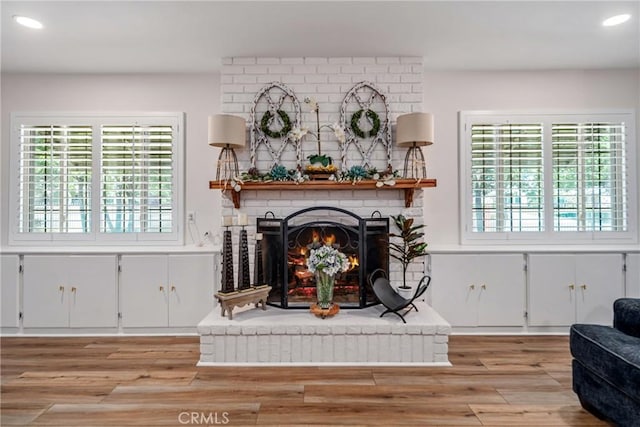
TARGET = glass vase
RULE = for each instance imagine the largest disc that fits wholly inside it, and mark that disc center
(324, 289)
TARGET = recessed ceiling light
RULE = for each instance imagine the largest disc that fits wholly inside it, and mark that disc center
(28, 22)
(616, 20)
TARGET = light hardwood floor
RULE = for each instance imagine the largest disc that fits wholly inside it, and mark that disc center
(512, 381)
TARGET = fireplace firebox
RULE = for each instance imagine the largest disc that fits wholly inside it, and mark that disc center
(285, 245)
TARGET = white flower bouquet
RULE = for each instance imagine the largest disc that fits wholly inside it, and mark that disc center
(328, 260)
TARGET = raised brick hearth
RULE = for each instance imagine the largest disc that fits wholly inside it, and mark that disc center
(297, 337)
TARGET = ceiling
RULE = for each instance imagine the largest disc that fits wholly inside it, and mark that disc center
(193, 36)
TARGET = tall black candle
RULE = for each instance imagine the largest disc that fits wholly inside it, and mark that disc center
(244, 279)
(258, 273)
(227, 262)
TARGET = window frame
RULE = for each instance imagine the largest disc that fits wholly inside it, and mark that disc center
(96, 120)
(548, 236)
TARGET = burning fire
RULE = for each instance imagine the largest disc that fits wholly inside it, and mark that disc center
(299, 256)
(329, 240)
(353, 260)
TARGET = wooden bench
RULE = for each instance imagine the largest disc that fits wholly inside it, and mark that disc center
(255, 295)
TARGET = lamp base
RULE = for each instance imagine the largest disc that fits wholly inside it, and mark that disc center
(414, 163)
(227, 167)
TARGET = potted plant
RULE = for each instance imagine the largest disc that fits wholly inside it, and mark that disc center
(408, 249)
(320, 165)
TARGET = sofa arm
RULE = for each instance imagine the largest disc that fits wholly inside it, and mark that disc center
(626, 316)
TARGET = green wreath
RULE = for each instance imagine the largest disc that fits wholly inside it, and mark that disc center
(371, 115)
(264, 124)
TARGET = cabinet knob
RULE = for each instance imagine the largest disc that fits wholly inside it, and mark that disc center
(483, 286)
(572, 286)
(472, 287)
(173, 289)
(73, 289)
(161, 288)
(61, 288)
(584, 287)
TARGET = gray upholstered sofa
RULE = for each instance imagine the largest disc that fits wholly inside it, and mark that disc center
(606, 365)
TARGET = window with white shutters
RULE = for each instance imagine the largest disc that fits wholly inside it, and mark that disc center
(589, 177)
(506, 177)
(54, 179)
(136, 179)
(561, 177)
(97, 177)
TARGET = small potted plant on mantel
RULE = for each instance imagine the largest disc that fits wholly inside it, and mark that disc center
(321, 165)
(408, 249)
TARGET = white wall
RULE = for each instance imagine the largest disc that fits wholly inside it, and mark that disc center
(446, 93)
(197, 95)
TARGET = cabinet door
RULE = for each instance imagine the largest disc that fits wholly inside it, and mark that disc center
(143, 290)
(599, 282)
(453, 291)
(93, 282)
(552, 290)
(9, 280)
(191, 289)
(500, 283)
(45, 291)
(632, 276)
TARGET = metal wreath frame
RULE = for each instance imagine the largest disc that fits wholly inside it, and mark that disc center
(258, 137)
(384, 133)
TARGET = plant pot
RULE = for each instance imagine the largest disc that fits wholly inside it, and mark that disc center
(320, 176)
(405, 292)
(319, 172)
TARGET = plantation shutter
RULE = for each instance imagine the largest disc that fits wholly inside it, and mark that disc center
(137, 175)
(589, 176)
(54, 194)
(507, 177)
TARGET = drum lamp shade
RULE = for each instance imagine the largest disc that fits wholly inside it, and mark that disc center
(226, 130)
(414, 129)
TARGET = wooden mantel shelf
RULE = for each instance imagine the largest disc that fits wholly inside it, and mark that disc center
(408, 185)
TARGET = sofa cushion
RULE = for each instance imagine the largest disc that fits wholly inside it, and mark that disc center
(626, 316)
(610, 354)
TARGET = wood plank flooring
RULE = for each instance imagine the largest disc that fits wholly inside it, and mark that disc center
(148, 381)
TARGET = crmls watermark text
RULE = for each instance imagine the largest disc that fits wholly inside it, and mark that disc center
(202, 418)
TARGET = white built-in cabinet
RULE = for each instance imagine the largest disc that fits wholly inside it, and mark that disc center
(9, 285)
(175, 290)
(479, 290)
(569, 288)
(633, 275)
(166, 290)
(76, 291)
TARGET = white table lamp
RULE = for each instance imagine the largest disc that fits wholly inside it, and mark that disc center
(227, 132)
(414, 130)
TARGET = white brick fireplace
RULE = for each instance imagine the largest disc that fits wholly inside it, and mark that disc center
(353, 336)
(327, 80)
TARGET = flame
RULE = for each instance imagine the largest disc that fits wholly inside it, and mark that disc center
(330, 240)
(353, 261)
(303, 274)
(303, 251)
